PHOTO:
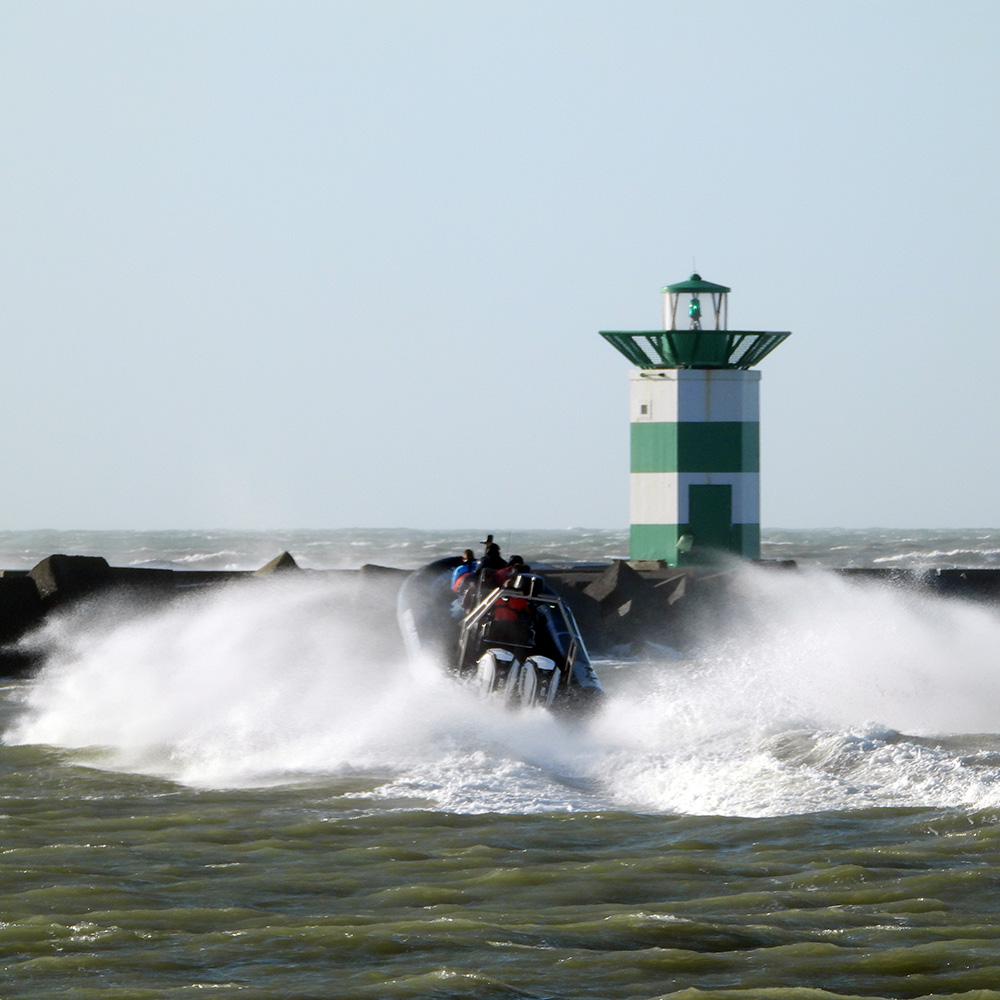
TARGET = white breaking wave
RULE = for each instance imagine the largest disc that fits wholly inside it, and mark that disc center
(939, 557)
(795, 702)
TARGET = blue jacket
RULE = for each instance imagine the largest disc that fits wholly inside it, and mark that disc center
(460, 571)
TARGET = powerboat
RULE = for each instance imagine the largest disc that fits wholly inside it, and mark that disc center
(518, 642)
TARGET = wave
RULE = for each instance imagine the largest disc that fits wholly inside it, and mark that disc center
(942, 558)
(810, 693)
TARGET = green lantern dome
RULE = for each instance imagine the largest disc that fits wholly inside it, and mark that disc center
(695, 284)
(705, 341)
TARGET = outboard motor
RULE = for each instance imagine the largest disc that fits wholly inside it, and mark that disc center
(547, 676)
(533, 682)
(494, 670)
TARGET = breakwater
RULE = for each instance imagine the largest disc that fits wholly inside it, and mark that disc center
(623, 608)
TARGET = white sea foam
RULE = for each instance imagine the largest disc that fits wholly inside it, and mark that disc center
(795, 702)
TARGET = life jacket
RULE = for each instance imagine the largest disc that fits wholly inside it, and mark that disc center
(509, 609)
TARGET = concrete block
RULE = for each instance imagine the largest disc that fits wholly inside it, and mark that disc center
(980, 584)
(60, 578)
(617, 585)
(279, 564)
(20, 607)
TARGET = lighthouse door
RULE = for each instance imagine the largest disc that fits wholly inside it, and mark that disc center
(710, 515)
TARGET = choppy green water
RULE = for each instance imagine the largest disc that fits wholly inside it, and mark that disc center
(128, 887)
(228, 798)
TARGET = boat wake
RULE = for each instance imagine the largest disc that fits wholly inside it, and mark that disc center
(797, 701)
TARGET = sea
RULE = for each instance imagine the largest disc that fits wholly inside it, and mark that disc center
(242, 795)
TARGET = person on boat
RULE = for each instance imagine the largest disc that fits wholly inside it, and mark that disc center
(512, 616)
(514, 566)
(489, 564)
(464, 568)
(491, 557)
(466, 583)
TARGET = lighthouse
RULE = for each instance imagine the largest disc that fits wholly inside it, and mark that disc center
(694, 428)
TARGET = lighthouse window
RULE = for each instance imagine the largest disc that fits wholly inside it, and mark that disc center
(644, 409)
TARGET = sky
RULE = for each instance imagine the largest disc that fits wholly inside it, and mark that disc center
(322, 265)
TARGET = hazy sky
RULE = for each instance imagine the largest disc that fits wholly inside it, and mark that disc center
(337, 264)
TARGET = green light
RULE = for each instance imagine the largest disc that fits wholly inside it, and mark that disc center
(694, 311)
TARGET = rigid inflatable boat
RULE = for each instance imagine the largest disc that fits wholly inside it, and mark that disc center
(519, 642)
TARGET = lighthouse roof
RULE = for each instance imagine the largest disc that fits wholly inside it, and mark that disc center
(695, 284)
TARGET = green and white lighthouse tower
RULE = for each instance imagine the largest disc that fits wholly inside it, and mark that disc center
(695, 428)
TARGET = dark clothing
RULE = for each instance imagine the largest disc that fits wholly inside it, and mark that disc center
(492, 558)
(511, 622)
